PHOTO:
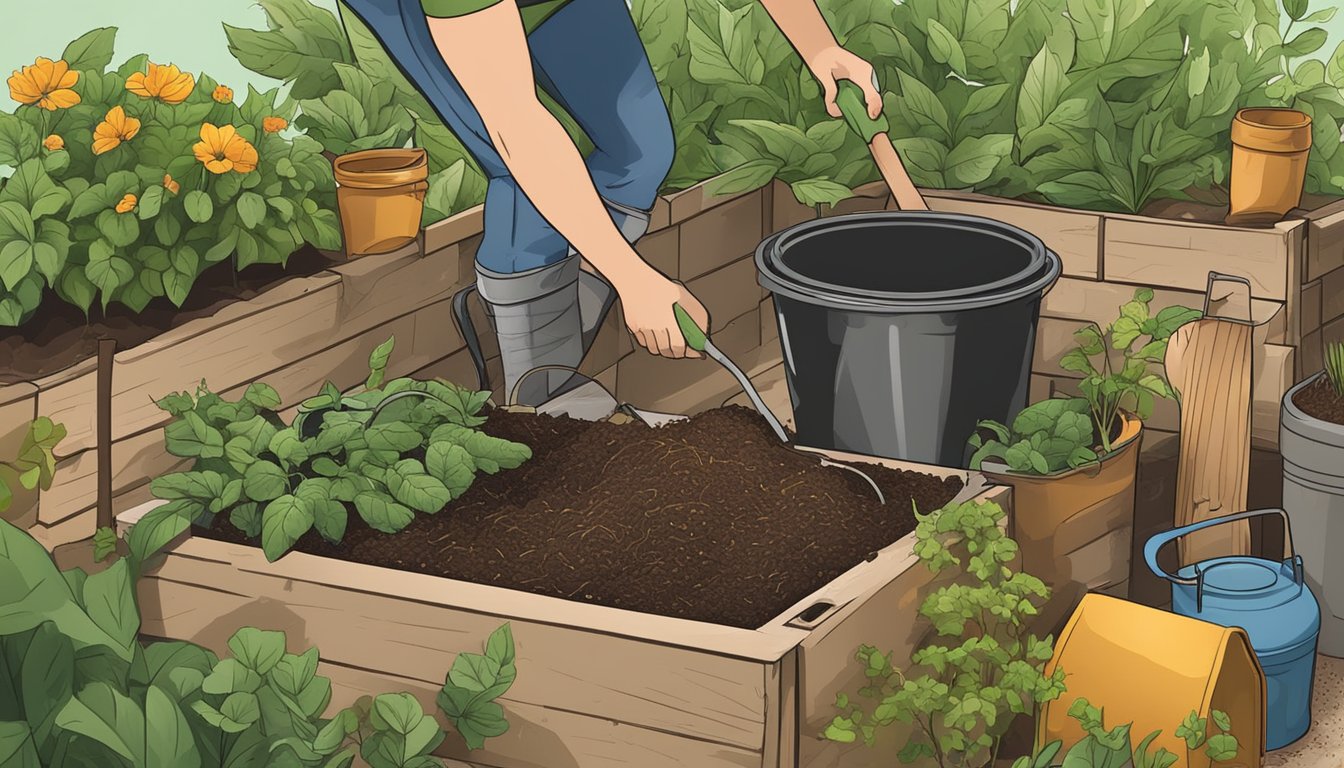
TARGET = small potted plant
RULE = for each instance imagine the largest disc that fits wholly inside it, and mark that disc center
(1072, 461)
(1311, 439)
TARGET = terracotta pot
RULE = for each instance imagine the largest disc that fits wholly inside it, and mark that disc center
(381, 196)
(1269, 164)
(1075, 528)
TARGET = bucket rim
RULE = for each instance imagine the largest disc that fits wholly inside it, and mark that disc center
(981, 226)
(1038, 282)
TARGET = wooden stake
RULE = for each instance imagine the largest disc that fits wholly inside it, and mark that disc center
(107, 348)
(1209, 363)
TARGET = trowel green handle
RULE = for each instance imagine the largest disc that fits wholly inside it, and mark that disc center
(849, 98)
(695, 337)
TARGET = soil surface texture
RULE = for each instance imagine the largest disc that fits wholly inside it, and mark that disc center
(710, 519)
(1319, 401)
(58, 335)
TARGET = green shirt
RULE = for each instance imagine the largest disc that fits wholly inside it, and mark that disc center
(533, 13)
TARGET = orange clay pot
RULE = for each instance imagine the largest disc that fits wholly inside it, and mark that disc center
(1269, 164)
(381, 197)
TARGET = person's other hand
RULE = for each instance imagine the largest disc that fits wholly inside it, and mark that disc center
(647, 301)
(833, 64)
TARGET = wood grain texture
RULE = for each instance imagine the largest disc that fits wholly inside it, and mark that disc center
(1209, 363)
(1181, 254)
(720, 235)
(1325, 241)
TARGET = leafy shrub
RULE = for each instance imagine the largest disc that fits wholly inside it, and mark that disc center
(1111, 748)
(130, 182)
(386, 453)
(351, 96)
(971, 690)
(1064, 433)
(1334, 366)
(77, 688)
(36, 462)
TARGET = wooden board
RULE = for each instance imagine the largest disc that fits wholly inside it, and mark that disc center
(18, 408)
(1180, 255)
(1209, 362)
(720, 235)
(1325, 241)
(1099, 302)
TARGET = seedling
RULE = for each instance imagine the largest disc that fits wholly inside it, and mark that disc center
(1334, 367)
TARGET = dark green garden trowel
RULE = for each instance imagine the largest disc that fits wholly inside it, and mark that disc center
(697, 340)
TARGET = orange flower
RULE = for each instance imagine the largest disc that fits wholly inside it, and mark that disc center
(53, 143)
(170, 185)
(126, 204)
(116, 127)
(223, 94)
(274, 124)
(46, 83)
(164, 82)
(221, 150)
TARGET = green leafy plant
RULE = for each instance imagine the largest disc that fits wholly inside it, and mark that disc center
(36, 463)
(1334, 366)
(1114, 747)
(384, 454)
(78, 688)
(1122, 372)
(131, 182)
(1046, 437)
(994, 669)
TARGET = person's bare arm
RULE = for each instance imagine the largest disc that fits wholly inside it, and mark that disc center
(806, 29)
(487, 52)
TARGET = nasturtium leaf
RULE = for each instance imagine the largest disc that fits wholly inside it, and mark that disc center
(336, 436)
(231, 676)
(198, 206)
(190, 437)
(287, 447)
(257, 649)
(238, 452)
(329, 515)
(381, 512)
(263, 396)
(283, 521)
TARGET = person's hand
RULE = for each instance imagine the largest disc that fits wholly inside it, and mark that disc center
(646, 300)
(833, 64)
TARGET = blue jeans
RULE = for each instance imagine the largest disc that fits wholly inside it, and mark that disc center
(589, 58)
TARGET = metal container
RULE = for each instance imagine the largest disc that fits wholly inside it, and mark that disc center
(1271, 602)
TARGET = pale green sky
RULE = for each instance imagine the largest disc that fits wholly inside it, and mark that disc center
(182, 32)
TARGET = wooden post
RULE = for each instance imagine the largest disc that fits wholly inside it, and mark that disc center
(107, 348)
(1209, 363)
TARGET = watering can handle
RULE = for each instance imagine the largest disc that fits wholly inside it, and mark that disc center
(1156, 543)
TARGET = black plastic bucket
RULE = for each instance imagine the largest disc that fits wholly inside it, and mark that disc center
(901, 330)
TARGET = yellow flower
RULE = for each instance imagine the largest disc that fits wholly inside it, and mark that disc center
(170, 185)
(221, 150)
(274, 124)
(53, 143)
(126, 204)
(164, 82)
(223, 94)
(46, 83)
(116, 127)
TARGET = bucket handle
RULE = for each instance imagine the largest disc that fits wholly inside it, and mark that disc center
(1156, 543)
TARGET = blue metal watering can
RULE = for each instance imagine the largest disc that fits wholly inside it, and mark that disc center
(1267, 599)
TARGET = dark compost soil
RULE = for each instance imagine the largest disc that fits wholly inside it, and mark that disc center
(1319, 401)
(712, 519)
(59, 336)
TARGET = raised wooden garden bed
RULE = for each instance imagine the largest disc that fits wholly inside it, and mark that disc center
(596, 685)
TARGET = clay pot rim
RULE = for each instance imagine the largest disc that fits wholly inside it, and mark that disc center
(403, 166)
(1246, 115)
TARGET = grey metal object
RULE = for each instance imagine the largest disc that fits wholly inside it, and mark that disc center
(1313, 496)
(902, 329)
(750, 389)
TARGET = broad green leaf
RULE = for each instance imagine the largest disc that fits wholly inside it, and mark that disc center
(91, 50)
(110, 601)
(198, 206)
(159, 526)
(1041, 90)
(258, 650)
(975, 158)
(378, 363)
(264, 481)
(31, 187)
(168, 739)
(393, 436)
(381, 512)
(744, 178)
(818, 191)
(452, 465)
(190, 437)
(283, 522)
(17, 748)
(945, 48)
(18, 140)
(412, 486)
(923, 105)
(109, 718)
